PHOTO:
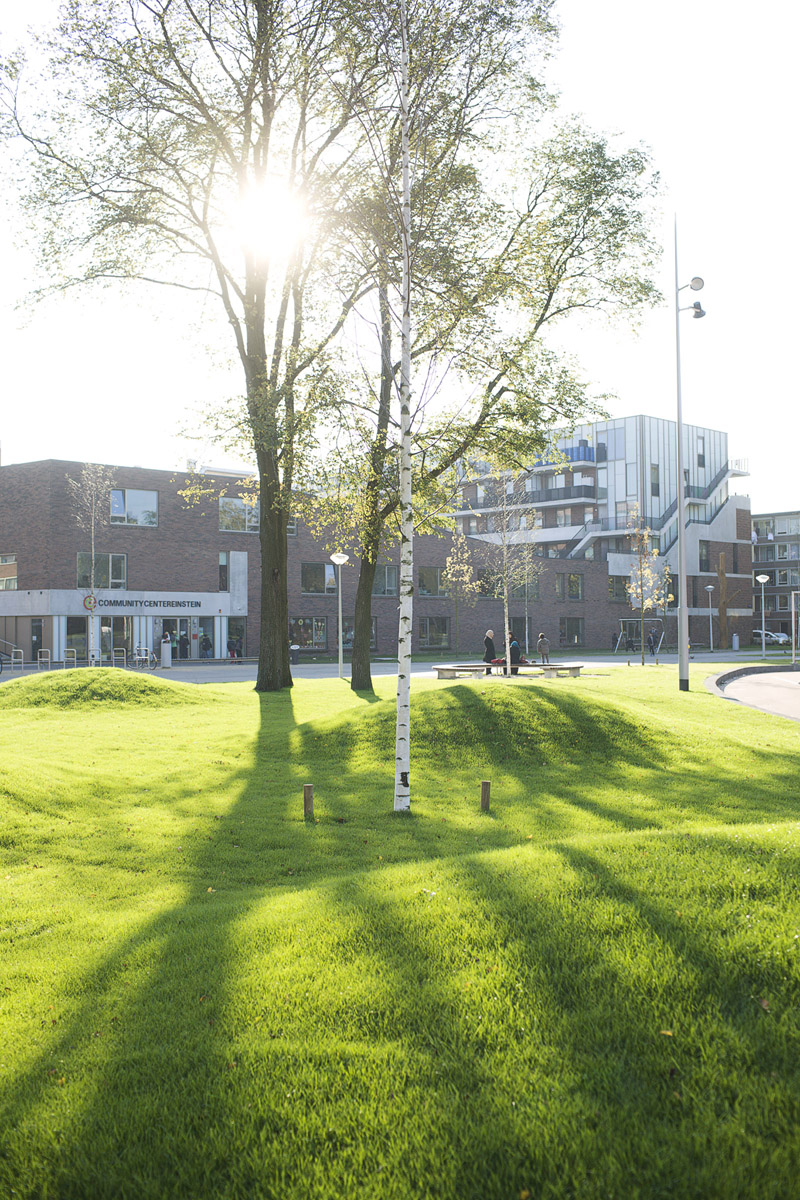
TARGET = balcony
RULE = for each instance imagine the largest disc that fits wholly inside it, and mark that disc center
(581, 491)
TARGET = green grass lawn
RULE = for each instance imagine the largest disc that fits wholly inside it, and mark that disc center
(590, 992)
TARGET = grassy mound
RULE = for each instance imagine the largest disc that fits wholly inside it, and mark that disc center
(94, 689)
(496, 726)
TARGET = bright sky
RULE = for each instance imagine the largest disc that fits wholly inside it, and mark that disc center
(707, 84)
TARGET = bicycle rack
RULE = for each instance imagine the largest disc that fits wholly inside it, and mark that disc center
(70, 658)
(17, 656)
(119, 657)
(42, 658)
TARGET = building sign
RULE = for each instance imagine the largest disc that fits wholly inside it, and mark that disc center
(150, 604)
(90, 602)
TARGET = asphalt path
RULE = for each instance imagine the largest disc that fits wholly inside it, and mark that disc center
(777, 693)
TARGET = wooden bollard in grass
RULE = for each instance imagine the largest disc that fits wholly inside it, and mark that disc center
(308, 801)
(486, 788)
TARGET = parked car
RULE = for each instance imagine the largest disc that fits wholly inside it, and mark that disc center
(771, 638)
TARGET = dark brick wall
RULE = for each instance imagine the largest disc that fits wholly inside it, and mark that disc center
(37, 522)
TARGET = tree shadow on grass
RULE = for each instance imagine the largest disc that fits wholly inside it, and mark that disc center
(206, 1076)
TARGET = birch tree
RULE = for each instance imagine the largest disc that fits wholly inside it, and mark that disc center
(509, 561)
(649, 585)
(459, 577)
(90, 492)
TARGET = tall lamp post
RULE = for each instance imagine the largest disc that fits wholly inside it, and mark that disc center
(340, 559)
(683, 613)
(795, 596)
(709, 589)
(762, 579)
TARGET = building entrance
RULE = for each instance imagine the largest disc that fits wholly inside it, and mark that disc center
(180, 631)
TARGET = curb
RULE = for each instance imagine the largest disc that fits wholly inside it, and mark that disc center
(716, 683)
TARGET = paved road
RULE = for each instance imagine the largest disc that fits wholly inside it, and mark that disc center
(776, 693)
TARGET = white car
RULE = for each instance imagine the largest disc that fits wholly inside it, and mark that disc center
(771, 638)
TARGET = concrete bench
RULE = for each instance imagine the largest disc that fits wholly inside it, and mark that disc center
(553, 670)
(453, 670)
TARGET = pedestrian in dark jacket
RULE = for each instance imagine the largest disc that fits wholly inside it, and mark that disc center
(514, 653)
(489, 652)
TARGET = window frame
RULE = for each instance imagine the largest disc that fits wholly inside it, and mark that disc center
(117, 519)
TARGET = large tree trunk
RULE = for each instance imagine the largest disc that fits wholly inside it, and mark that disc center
(372, 530)
(360, 675)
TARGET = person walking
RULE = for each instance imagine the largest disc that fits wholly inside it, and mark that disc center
(651, 643)
(543, 648)
(489, 652)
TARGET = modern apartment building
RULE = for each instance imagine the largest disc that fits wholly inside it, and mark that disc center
(193, 569)
(576, 503)
(776, 554)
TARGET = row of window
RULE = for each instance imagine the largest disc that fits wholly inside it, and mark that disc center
(780, 577)
(311, 633)
(776, 551)
(785, 523)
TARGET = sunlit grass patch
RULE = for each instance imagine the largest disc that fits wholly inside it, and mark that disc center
(591, 990)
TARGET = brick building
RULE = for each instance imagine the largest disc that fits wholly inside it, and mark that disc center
(193, 570)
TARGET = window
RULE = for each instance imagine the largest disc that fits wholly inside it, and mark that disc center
(704, 553)
(570, 631)
(621, 514)
(434, 633)
(237, 515)
(8, 572)
(518, 631)
(385, 581)
(490, 586)
(129, 506)
(560, 585)
(701, 450)
(430, 582)
(110, 570)
(617, 590)
(563, 516)
(348, 632)
(223, 570)
(469, 524)
(630, 479)
(783, 550)
(291, 527)
(318, 579)
(309, 633)
(783, 601)
(764, 553)
(575, 587)
(526, 591)
(654, 483)
(76, 636)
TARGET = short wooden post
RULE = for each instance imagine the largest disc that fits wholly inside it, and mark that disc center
(486, 788)
(308, 801)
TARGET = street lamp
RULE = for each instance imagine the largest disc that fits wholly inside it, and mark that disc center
(340, 559)
(709, 589)
(683, 613)
(762, 579)
(795, 596)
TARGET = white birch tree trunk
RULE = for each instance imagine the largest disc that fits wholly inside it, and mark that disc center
(402, 782)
